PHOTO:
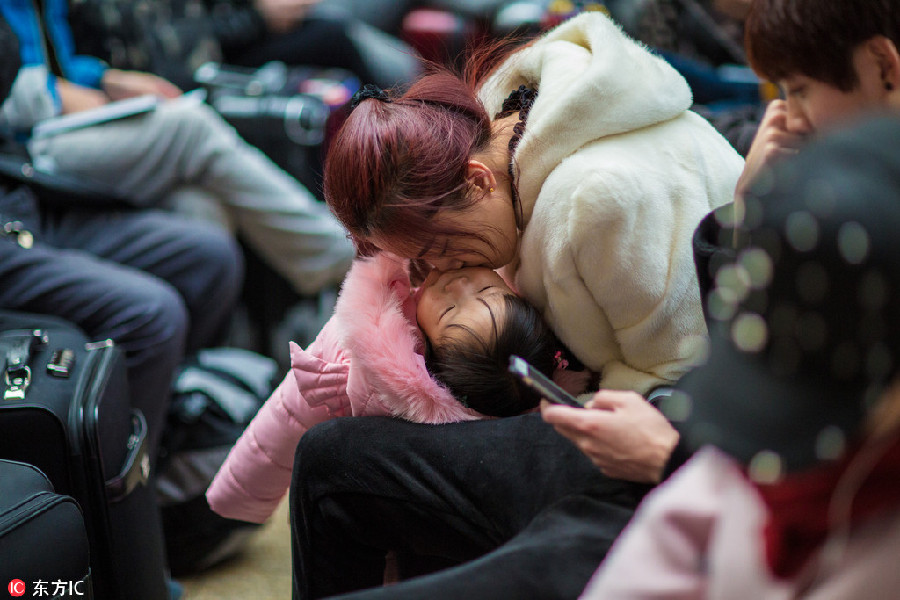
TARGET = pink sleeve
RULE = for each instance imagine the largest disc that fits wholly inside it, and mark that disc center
(257, 472)
(662, 552)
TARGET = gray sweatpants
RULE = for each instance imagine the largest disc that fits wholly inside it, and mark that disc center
(186, 144)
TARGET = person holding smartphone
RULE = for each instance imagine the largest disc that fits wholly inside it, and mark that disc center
(835, 62)
(795, 417)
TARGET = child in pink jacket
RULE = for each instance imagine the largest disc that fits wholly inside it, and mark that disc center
(370, 359)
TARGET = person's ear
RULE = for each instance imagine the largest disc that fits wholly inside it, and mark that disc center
(479, 175)
(887, 59)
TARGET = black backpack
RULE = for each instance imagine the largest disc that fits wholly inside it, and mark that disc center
(215, 396)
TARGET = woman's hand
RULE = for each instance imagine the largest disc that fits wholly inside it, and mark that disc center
(622, 433)
(119, 85)
(75, 98)
(772, 141)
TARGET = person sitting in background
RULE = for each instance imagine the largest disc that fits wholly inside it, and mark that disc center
(173, 38)
(372, 359)
(181, 144)
(832, 60)
(157, 286)
(308, 32)
(795, 491)
(703, 39)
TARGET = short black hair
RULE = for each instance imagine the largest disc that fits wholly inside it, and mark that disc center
(815, 38)
(476, 371)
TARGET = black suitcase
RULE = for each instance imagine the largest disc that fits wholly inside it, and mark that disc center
(43, 542)
(66, 410)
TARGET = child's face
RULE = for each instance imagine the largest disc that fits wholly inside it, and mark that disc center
(470, 297)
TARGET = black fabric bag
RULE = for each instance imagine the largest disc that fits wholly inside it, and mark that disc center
(66, 410)
(215, 396)
(42, 536)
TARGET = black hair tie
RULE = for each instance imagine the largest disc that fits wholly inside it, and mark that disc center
(370, 90)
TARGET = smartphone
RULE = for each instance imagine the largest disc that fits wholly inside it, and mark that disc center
(541, 383)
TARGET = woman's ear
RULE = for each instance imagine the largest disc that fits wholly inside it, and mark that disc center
(479, 175)
(887, 58)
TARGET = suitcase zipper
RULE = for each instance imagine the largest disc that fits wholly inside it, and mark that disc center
(28, 509)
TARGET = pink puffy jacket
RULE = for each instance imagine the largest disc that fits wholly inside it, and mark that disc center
(367, 360)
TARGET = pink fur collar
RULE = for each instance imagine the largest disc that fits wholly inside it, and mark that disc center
(376, 316)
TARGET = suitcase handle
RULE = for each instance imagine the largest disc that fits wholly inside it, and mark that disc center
(136, 469)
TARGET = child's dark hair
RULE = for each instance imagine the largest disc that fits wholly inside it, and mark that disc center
(476, 371)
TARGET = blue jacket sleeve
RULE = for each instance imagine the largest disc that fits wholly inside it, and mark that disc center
(25, 21)
(86, 70)
(80, 69)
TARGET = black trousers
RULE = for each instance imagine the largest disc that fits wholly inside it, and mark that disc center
(155, 283)
(515, 507)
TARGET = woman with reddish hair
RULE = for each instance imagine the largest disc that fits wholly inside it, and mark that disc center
(576, 166)
(585, 185)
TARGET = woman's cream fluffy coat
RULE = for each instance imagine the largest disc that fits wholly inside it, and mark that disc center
(614, 173)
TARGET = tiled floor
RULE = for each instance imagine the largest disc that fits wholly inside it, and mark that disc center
(261, 572)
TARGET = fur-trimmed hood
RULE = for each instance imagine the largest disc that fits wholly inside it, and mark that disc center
(376, 319)
(593, 82)
(614, 172)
